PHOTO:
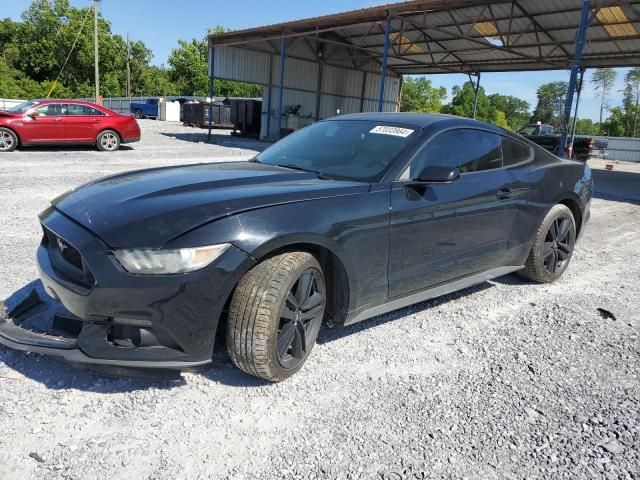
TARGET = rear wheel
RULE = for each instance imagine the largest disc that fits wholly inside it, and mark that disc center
(108, 141)
(275, 316)
(553, 246)
(8, 140)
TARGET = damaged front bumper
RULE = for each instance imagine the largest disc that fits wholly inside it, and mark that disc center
(41, 325)
(88, 309)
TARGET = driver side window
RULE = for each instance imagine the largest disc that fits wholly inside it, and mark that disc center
(467, 149)
(51, 110)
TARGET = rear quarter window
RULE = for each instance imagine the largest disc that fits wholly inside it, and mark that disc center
(514, 152)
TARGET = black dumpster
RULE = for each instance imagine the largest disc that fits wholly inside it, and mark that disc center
(196, 114)
(246, 116)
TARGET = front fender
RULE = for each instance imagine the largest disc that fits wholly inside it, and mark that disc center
(354, 228)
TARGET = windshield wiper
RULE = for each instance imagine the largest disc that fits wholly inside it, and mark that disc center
(320, 175)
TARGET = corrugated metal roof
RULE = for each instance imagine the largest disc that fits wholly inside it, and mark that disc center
(439, 36)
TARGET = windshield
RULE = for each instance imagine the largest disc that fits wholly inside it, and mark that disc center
(357, 150)
(528, 130)
(22, 107)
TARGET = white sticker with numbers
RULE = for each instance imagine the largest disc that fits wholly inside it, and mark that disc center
(395, 131)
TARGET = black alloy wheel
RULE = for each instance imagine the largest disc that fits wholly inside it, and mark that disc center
(300, 318)
(552, 246)
(275, 315)
(558, 244)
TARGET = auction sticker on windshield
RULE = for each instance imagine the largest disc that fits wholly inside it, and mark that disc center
(395, 131)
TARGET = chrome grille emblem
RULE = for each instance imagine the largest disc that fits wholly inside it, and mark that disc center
(62, 246)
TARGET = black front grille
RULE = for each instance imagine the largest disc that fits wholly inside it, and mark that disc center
(67, 260)
(68, 252)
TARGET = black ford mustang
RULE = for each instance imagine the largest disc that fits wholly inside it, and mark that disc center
(346, 219)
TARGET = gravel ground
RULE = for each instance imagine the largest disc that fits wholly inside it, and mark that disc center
(504, 380)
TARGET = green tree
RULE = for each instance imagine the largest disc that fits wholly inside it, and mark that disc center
(188, 67)
(586, 126)
(190, 72)
(155, 82)
(602, 80)
(516, 110)
(14, 84)
(462, 105)
(632, 104)
(38, 46)
(462, 102)
(419, 96)
(616, 124)
(550, 107)
(500, 119)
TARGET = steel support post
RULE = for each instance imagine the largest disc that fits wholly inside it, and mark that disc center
(475, 95)
(283, 57)
(211, 57)
(319, 90)
(270, 88)
(575, 67)
(575, 113)
(383, 76)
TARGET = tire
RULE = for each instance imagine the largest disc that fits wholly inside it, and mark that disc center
(275, 315)
(108, 141)
(137, 113)
(8, 140)
(552, 247)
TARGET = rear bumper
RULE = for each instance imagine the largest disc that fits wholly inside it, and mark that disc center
(122, 319)
(131, 139)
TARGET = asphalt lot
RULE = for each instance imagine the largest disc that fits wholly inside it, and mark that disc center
(503, 380)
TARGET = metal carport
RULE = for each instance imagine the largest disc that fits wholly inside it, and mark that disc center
(354, 61)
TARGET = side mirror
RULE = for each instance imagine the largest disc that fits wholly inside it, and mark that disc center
(33, 114)
(436, 174)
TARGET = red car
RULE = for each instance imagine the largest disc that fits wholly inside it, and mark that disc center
(65, 122)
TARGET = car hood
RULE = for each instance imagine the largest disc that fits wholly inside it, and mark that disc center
(4, 113)
(147, 208)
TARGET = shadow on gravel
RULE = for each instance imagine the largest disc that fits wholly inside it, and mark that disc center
(617, 186)
(68, 148)
(223, 371)
(329, 334)
(225, 140)
(57, 374)
(513, 279)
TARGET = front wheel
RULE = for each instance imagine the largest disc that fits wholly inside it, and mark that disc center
(8, 140)
(108, 141)
(552, 247)
(275, 315)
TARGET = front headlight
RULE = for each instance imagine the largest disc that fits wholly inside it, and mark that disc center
(163, 262)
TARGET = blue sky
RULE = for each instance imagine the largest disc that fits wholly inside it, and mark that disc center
(160, 23)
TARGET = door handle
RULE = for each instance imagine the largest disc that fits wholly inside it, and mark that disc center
(507, 193)
(504, 193)
(96, 120)
(58, 119)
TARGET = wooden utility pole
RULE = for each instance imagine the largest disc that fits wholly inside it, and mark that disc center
(95, 48)
(128, 67)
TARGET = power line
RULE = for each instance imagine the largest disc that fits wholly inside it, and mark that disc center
(128, 67)
(95, 43)
(84, 20)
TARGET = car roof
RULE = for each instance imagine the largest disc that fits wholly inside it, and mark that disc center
(420, 120)
(46, 101)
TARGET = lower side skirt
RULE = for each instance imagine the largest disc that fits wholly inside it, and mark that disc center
(432, 292)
